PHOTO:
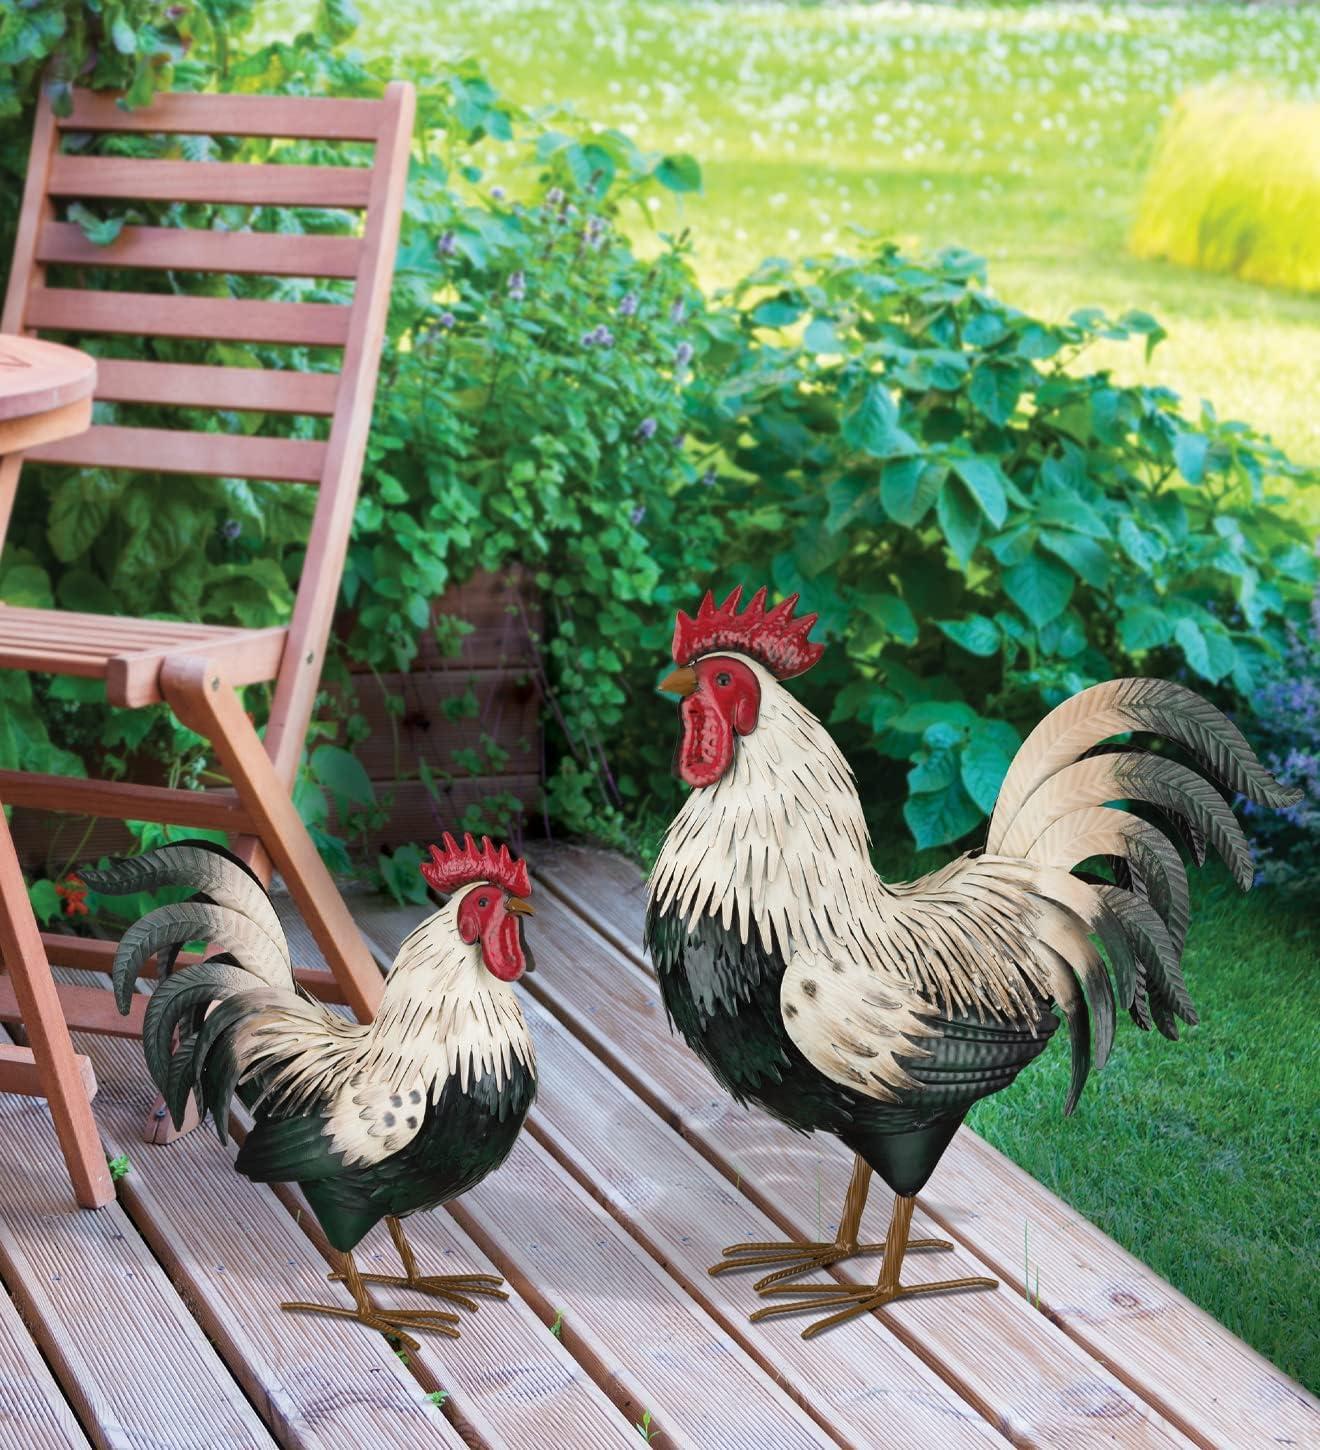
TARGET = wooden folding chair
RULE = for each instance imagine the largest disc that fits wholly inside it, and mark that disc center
(193, 667)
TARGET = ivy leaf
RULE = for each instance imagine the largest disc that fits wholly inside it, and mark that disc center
(985, 480)
(960, 520)
(986, 755)
(976, 634)
(937, 817)
(342, 774)
(892, 614)
(1189, 453)
(679, 172)
(1040, 587)
(908, 487)
(100, 231)
(872, 426)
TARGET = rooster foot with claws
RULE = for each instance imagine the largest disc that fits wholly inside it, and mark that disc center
(393, 1323)
(800, 1259)
(456, 1288)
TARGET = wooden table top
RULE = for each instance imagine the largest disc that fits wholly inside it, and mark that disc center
(38, 377)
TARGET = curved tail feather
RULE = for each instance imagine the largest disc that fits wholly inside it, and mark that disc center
(1059, 806)
(209, 1003)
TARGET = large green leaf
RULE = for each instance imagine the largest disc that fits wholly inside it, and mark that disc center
(960, 520)
(938, 817)
(872, 425)
(975, 633)
(985, 481)
(986, 755)
(1040, 587)
(908, 487)
(893, 614)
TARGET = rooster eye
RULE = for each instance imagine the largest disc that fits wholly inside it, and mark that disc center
(483, 900)
(724, 678)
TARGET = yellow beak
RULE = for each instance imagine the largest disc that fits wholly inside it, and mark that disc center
(681, 682)
(518, 907)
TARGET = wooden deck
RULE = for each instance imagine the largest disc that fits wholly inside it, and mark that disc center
(152, 1323)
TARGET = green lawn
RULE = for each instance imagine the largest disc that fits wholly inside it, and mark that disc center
(1022, 131)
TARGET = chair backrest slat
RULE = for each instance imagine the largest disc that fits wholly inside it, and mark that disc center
(299, 118)
(222, 182)
(163, 450)
(218, 319)
(358, 327)
(196, 385)
(181, 249)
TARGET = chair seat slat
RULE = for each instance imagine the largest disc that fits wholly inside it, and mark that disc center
(297, 117)
(165, 450)
(223, 182)
(259, 390)
(269, 254)
(220, 319)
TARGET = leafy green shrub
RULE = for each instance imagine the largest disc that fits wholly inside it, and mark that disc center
(983, 526)
(1235, 187)
(1285, 728)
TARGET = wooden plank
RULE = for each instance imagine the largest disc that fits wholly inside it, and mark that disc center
(17, 435)
(227, 183)
(327, 543)
(215, 809)
(101, 1309)
(194, 249)
(1217, 1389)
(167, 450)
(509, 1380)
(195, 385)
(18, 1073)
(417, 815)
(84, 1009)
(297, 117)
(506, 710)
(979, 1345)
(659, 1189)
(93, 954)
(33, 1412)
(234, 1252)
(39, 377)
(632, 1328)
(248, 657)
(216, 319)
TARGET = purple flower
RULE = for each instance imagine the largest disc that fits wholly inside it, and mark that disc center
(628, 305)
(594, 233)
(708, 478)
(646, 430)
(682, 355)
(447, 319)
(517, 286)
(230, 529)
(497, 193)
(555, 195)
(447, 245)
(679, 439)
(637, 515)
(678, 311)
(599, 336)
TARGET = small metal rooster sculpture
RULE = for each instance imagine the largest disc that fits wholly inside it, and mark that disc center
(880, 1012)
(373, 1120)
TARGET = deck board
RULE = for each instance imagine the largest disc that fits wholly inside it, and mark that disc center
(1181, 1361)
(977, 1344)
(153, 1324)
(33, 1412)
(103, 1311)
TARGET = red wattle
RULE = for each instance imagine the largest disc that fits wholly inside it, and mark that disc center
(706, 751)
(502, 948)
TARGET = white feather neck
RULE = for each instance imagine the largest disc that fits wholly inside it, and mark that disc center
(779, 841)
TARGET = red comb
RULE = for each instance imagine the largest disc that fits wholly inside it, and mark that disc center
(771, 636)
(457, 866)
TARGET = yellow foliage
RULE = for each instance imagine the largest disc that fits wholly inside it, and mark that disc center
(1235, 187)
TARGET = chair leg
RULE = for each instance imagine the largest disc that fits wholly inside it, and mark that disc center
(199, 695)
(48, 1035)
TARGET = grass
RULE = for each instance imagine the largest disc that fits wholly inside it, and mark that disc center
(1235, 187)
(1021, 131)
(1024, 132)
(1198, 1156)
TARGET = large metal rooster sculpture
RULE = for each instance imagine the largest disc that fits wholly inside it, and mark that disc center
(373, 1120)
(881, 1011)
